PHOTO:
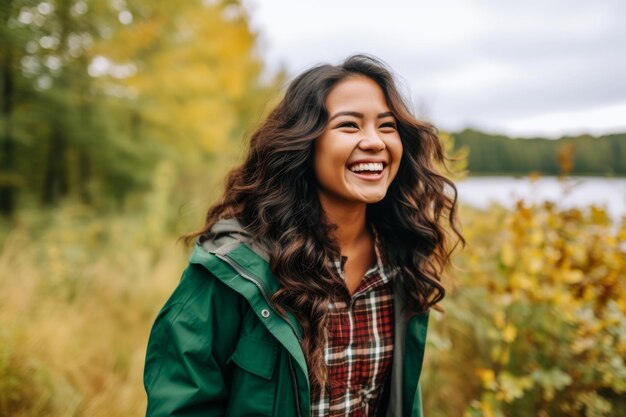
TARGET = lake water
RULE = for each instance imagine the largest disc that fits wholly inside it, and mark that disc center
(571, 192)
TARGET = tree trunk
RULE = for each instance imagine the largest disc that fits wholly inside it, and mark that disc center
(84, 176)
(8, 189)
(84, 157)
(55, 178)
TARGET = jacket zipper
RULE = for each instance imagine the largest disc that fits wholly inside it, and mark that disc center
(258, 284)
(295, 386)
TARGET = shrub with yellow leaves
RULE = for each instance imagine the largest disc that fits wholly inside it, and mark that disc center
(537, 323)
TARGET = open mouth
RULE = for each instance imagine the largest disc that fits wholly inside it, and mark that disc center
(367, 168)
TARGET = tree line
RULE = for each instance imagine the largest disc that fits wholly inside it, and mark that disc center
(580, 155)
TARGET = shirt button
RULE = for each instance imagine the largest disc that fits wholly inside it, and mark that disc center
(265, 313)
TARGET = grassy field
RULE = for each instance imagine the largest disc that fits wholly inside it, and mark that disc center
(77, 298)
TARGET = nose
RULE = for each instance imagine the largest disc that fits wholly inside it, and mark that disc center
(372, 141)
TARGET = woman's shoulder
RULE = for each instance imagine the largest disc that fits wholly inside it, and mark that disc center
(199, 295)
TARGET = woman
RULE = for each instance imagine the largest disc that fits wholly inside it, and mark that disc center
(309, 288)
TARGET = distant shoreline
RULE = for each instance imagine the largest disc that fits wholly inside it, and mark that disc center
(499, 155)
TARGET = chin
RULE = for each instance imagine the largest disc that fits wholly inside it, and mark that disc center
(372, 199)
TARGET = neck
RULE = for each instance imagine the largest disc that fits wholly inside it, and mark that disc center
(350, 222)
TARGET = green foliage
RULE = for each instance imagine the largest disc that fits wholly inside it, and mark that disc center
(499, 154)
(95, 94)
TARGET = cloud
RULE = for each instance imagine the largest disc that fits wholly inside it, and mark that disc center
(489, 63)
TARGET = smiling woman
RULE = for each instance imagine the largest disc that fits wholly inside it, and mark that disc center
(310, 284)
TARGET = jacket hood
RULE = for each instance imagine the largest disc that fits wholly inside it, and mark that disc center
(226, 234)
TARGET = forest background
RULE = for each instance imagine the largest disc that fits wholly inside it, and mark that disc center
(117, 124)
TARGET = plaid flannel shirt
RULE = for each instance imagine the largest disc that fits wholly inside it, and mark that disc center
(359, 347)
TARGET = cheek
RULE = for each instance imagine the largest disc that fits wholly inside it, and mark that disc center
(396, 150)
(331, 155)
(324, 163)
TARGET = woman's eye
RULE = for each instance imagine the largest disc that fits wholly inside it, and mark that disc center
(387, 125)
(350, 125)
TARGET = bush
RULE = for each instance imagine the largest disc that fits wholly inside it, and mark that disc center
(537, 325)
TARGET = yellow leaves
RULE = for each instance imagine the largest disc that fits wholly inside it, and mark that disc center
(197, 74)
(507, 387)
(578, 254)
(570, 276)
(512, 387)
(500, 354)
(551, 317)
(510, 333)
(599, 215)
(621, 235)
(535, 261)
(545, 253)
(487, 410)
(129, 41)
(233, 81)
(583, 344)
(536, 237)
(551, 254)
(507, 255)
(520, 280)
(488, 377)
(483, 408)
(499, 319)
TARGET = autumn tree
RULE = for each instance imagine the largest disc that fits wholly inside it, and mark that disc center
(95, 93)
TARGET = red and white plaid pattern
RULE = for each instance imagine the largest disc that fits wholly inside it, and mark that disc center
(359, 347)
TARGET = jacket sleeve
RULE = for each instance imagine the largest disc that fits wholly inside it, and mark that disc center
(190, 343)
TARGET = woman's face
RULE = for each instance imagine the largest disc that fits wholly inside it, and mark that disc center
(357, 156)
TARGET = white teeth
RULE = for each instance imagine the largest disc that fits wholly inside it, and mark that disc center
(371, 166)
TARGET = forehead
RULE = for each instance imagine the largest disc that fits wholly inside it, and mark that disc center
(356, 92)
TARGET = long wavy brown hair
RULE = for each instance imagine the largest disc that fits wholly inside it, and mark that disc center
(273, 195)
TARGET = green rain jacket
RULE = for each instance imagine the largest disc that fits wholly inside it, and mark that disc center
(218, 348)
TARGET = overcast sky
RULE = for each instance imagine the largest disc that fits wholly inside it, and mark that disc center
(530, 67)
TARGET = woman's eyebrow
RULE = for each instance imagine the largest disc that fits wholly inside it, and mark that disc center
(357, 114)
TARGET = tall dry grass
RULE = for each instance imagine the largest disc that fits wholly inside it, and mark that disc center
(77, 297)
